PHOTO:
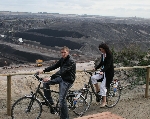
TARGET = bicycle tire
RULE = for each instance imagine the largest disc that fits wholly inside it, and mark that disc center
(113, 97)
(20, 108)
(83, 103)
(88, 96)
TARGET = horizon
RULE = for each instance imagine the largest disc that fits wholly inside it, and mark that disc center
(115, 8)
(70, 14)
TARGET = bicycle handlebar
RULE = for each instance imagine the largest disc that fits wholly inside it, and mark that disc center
(36, 75)
(89, 72)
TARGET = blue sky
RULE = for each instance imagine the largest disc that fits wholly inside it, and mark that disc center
(118, 8)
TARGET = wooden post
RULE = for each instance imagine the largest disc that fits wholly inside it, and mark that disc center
(9, 95)
(147, 82)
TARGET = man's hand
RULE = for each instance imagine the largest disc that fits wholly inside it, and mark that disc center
(46, 79)
(41, 71)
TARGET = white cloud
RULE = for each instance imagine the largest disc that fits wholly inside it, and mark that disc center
(122, 8)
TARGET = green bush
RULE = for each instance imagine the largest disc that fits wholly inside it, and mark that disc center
(130, 56)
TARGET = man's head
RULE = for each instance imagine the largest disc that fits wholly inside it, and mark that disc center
(64, 52)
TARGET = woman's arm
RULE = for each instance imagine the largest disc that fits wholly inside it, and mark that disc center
(107, 62)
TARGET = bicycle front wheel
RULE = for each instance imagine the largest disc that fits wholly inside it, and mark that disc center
(113, 95)
(83, 102)
(26, 108)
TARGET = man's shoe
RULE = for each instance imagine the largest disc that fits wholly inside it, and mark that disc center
(52, 103)
(53, 110)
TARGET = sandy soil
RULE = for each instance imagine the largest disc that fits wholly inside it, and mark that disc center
(132, 108)
(132, 104)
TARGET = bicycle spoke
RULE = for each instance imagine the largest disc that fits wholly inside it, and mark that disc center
(113, 95)
(26, 108)
(80, 106)
(87, 96)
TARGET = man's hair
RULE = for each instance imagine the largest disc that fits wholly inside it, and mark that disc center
(65, 48)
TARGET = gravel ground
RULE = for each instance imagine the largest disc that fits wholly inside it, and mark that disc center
(132, 104)
(136, 107)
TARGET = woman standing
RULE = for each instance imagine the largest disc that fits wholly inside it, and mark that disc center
(106, 73)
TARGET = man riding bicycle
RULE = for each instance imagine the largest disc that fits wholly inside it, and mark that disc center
(64, 77)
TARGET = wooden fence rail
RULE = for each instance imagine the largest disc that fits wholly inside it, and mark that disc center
(120, 68)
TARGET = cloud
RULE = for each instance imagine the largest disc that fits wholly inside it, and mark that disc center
(122, 8)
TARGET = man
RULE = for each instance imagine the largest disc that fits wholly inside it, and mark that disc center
(64, 77)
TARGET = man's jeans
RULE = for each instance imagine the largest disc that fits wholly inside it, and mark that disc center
(63, 89)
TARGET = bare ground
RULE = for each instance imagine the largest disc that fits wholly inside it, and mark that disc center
(132, 105)
(137, 108)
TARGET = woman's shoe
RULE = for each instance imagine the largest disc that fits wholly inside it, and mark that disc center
(98, 98)
(103, 105)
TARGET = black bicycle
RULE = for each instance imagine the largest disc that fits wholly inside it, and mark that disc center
(113, 93)
(30, 106)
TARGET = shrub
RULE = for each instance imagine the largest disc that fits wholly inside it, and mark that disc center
(130, 56)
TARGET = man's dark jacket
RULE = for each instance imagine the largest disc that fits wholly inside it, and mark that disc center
(108, 68)
(67, 69)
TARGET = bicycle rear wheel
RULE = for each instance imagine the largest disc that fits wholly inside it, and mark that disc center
(26, 108)
(113, 95)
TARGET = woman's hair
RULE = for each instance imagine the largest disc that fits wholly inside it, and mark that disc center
(105, 47)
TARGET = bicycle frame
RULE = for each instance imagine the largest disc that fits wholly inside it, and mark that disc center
(70, 96)
(38, 91)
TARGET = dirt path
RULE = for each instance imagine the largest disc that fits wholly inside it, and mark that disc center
(138, 108)
(131, 108)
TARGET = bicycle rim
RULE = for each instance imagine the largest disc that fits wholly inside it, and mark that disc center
(113, 96)
(26, 108)
(87, 95)
(83, 103)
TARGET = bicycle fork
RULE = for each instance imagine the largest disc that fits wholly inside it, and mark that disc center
(31, 102)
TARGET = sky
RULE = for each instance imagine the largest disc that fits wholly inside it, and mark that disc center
(117, 8)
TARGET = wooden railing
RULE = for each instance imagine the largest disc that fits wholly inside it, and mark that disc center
(120, 68)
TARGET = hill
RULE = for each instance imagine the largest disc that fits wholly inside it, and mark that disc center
(44, 34)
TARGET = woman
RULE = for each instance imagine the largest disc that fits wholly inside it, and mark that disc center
(106, 73)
